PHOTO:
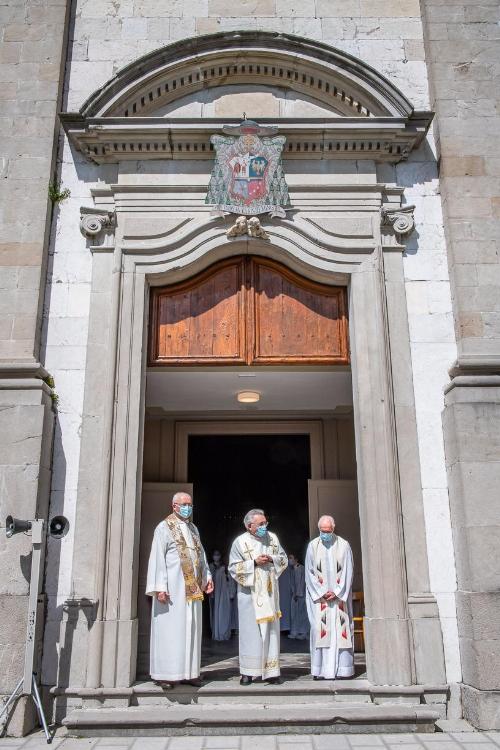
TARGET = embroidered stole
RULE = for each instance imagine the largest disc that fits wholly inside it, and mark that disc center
(331, 614)
(191, 571)
(265, 592)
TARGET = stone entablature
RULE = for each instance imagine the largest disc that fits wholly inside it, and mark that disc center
(113, 139)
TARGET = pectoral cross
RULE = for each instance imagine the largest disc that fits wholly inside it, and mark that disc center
(248, 551)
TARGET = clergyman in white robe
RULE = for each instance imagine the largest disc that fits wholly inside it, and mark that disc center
(299, 620)
(329, 567)
(176, 626)
(220, 603)
(258, 603)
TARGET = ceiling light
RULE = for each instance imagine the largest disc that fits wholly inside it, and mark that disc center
(248, 397)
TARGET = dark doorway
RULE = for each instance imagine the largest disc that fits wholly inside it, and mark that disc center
(233, 473)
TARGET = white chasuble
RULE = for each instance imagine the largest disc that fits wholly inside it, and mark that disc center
(220, 604)
(175, 626)
(258, 603)
(330, 568)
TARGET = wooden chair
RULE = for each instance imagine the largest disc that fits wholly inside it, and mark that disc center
(358, 607)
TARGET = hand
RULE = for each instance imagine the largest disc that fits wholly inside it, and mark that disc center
(262, 560)
(163, 597)
(209, 587)
(329, 596)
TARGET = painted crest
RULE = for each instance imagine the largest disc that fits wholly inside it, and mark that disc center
(247, 177)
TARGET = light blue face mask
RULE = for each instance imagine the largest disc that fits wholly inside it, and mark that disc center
(326, 536)
(185, 510)
(261, 531)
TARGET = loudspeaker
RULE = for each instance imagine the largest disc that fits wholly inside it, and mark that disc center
(16, 526)
(58, 527)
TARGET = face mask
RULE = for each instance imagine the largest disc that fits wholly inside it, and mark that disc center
(291, 563)
(261, 532)
(185, 510)
(326, 536)
(216, 558)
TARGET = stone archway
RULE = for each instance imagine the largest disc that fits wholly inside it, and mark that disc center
(346, 232)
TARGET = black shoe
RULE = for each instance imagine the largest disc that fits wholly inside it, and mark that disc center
(317, 678)
(245, 680)
(273, 681)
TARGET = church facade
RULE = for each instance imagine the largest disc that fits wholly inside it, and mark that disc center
(360, 309)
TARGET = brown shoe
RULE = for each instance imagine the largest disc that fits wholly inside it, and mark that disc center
(164, 684)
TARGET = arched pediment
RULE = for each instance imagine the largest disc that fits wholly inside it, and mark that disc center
(152, 93)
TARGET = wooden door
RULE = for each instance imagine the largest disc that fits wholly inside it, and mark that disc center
(156, 505)
(248, 311)
(338, 498)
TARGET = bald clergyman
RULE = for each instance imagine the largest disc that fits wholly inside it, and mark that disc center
(256, 561)
(178, 574)
(329, 571)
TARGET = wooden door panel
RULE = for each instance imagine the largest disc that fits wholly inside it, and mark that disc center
(296, 321)
(248, 311)
(201, 321)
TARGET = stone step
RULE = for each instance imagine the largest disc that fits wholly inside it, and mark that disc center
(236, 719)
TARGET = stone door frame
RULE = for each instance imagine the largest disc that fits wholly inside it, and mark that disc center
(401, 614)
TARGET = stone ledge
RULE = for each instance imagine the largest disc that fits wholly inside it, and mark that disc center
(228, 720)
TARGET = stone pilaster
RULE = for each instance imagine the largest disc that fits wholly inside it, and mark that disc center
(463, 53)
(32, 35)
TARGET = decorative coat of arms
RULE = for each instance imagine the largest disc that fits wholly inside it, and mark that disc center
(247, 177)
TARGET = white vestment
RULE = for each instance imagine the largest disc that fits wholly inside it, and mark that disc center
(220, 604)
(335, 561)
(285, 584)
(175, 626)
(258, 599)
(299, 620)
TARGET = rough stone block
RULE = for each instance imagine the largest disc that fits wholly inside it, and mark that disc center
(481, 663)
(478, 615)
(382, 8)
(239, 8)
(481, 707)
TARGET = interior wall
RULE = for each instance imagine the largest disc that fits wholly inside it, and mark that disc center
(159, 448)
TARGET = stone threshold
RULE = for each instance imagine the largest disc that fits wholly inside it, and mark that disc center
(238, 720)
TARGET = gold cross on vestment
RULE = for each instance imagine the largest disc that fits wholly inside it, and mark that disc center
(248, 551)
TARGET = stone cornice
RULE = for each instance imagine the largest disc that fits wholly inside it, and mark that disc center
(111, 139)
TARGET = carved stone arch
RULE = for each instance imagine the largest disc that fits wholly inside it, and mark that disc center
(330, 75)
(361, 110)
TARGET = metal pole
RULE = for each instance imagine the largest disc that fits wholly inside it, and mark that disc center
(39, 707)
(35, 585)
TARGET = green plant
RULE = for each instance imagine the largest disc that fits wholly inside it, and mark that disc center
(49, 380)
(56, 195)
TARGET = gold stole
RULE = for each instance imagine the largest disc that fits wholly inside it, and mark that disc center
(192, 577)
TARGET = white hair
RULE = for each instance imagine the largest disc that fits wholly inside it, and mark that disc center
(330, 519)
(251, 515)
(179, 497)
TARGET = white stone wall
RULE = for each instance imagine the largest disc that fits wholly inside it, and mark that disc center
(386, 34)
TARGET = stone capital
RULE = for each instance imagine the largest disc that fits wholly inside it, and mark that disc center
(97, 221)
(399, 218)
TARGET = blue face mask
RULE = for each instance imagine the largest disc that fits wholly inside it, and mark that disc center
(261, 531)
(326, 536)
(185, 510)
